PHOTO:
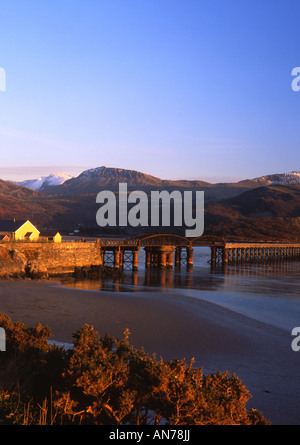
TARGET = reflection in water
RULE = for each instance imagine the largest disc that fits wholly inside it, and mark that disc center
(147, 280)
(276, 279)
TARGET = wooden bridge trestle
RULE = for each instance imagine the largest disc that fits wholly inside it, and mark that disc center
(257, 252)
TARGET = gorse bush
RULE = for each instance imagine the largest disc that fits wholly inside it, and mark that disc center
(106, 381)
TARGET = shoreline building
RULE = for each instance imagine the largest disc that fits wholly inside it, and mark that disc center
(12, 230)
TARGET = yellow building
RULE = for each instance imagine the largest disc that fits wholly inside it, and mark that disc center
(19, 230)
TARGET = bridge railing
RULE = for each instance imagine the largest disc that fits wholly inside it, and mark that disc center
(157, 240)
(117, 243)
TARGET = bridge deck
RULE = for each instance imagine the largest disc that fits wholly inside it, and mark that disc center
(260, 245)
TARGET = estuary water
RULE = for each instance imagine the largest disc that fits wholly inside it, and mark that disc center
(267, 292)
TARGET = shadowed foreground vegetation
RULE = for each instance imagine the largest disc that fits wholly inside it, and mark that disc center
(106, 381)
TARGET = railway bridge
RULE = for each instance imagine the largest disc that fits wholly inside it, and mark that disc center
(168, 250)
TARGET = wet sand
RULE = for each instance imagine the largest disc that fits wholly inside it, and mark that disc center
(172, 325)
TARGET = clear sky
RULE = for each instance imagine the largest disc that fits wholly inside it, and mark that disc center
(195, 89)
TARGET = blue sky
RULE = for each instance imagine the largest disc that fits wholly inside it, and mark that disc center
(174, 88)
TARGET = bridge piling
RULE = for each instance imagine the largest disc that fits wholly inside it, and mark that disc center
(170, 260)
(135, 263)
(213, 255)
(117, 255)
(177, 256)
(190, 256)
(225, 255)
(148, 259)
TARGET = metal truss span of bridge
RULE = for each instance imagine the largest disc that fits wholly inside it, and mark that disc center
(168, 250)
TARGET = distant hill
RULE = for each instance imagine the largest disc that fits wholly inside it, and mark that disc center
(21, 203)
(265, 212)
(273, 201)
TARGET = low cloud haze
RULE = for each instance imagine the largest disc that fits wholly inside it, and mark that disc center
(22, 173)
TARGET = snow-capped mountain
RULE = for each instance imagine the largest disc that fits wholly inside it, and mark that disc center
(45, 181)
(280, 178)
(95, 179)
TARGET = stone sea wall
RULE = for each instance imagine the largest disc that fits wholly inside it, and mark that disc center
(46, 259)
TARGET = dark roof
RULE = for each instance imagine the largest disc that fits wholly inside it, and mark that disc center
(11, 226)
(48, 232)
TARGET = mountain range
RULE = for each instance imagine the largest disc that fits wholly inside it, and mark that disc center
(89, 181)
(266, 207)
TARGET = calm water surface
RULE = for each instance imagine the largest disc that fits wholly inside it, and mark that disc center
(266, 292)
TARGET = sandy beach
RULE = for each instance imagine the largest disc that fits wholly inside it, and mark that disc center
(172, 325)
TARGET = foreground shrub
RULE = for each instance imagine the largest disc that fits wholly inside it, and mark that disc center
(105, 381)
